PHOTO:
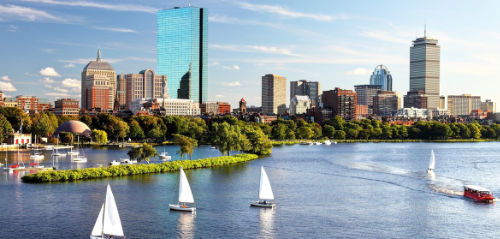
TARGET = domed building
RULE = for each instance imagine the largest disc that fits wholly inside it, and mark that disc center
(98, 85)
(74, 127)
(382, 76)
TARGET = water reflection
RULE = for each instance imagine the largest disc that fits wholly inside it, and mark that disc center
(185, 225)
(266, 216)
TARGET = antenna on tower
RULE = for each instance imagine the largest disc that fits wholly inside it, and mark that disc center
(425, 30)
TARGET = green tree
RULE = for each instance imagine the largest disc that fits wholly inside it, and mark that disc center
(304, 132)
(279, 131)
(42, 125)
(99, 136)
(227, 138)
(329, 131)
(143, 152)
(340, 134)
(259, 143)
(136, 131)
(5, 128)
(475, 132)
(187, 145)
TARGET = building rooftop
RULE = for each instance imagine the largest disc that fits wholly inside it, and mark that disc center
(98, 64)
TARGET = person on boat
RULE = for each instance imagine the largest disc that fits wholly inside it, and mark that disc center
(184, 206)
(264, 202)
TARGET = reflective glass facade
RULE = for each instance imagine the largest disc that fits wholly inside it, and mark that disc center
(382, 76)
(183, 51)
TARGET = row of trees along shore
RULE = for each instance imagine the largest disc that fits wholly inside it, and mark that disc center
(228, 133)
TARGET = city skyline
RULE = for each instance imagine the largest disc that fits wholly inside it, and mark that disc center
(336, 45)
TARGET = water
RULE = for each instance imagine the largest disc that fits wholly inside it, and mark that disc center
(360, 190)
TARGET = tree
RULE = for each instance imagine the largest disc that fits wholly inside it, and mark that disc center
(42, 126)
(187, 145)
(279, 131)
(475, 132)
(259, 143)
(143, 152)
(99, 136)
(305, 132)
(339, 134)
(136, 131)
(227, 138)
(329, 131)
(5, 128)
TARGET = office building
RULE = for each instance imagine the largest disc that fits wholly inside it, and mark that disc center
(488, 105)
(98, 85)
(223, 108)
(299, 104)
(381, 76)
(386, 103)
(209, 108)
(273, 94)
(415, 99)
(66, 107)
(182, 51)
(442, 102)
(27, 104)
(341, 102)
(462, 105)
(365, 95)
(425, 69)
(146, 84)
(303, 87)
(180, 107)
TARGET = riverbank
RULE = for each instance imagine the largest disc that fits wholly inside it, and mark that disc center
(126, 170)
(293, 142)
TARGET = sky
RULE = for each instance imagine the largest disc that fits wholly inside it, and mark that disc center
(44, 44)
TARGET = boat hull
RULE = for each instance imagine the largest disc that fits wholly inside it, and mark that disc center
(165, 158)
(264, 205)
(475, 197)
(177, 207)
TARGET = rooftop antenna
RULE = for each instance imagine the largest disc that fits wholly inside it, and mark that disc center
(425, 30)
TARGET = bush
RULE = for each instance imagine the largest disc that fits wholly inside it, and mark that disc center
(126, 170)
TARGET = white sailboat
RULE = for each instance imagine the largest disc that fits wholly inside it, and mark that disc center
(37, 155)
(185, 195)
(108, 223)
(56, 152)
(432, 163)
(164, 155)
(80, 158)
(71, 152)
(265, 192)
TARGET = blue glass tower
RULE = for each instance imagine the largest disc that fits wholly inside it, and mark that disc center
(183, 51)
(382, 76)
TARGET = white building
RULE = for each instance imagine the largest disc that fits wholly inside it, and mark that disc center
(182, 107)
(414, 113)
(299, 104)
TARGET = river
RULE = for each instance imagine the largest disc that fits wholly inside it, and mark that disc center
(358, 190)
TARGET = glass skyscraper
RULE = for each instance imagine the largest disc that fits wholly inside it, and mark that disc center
(382, 76)
(183, 51)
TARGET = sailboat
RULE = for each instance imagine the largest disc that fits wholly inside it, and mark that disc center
(108, 223)
(80, 158)
(432, 163)
(71, 152)
(37, 155)
(56, 152)
(185, 195)
(265, 192)
(164, 155)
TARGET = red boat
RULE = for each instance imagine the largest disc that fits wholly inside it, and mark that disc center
(14, 166)
(478, 194)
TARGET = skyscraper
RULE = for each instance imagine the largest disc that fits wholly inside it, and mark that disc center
(183, 51)
(304, 87)
(424, 69)
(146, 85)
(365, 95)
(98, 85)
(382, 76)
(273, 94)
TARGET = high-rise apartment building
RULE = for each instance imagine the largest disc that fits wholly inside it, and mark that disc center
(488, 105)
(183, 51)
(342, 102)
(273, 94)
(365, 95)
(27, 103)
(303, 87)
(425, 69)
(381, 76)
(462, 105)
(146, 85)
(386, 103)
(416, 99)
(98, 85)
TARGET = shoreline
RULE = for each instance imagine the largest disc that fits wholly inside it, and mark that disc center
(293, 142)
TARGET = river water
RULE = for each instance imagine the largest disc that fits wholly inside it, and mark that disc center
(360, 190)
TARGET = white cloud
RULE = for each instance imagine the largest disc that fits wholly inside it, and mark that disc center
(6, 78)
(71, 83)
(254, 48)
(13, 28)
(275, 9)
(47, 80)
(359, 72)
(7, 86)
(115, 29)
(27, 14)
(58, 89)
(48, 50)
(231, 84)
(219, 96)
(69, 65)
(112, 7)
(236, 67)
(49, 71)
(215, 63)
(57, 94)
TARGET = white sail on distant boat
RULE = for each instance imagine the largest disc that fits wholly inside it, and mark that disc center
(265, 191)
(432, 163)
(185, 195)
(164, 155)
(108, 222)
(80, 158)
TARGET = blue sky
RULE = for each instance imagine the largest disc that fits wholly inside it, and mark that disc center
(46, 43)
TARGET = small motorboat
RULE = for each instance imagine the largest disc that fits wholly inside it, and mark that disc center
(114, 163)
(478, 194)
(265, 192)
(213, 147)
(128, 161)
(185, 195)
(108, 223)
(317, 143)
(37, 155)
(327, 142)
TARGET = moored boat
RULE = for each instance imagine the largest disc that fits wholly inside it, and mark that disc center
(164, 156)
(327, 142)
(114, 163)
(478, 194)
(185, 195)
(128, 161)
(265, 192)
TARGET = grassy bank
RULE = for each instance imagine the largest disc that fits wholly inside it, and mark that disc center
(292, 142)
(125, 170)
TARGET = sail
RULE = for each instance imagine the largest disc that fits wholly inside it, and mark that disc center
(432, 162)
(265, 191)
(112, 224)
(97, 231)
(185, 194)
